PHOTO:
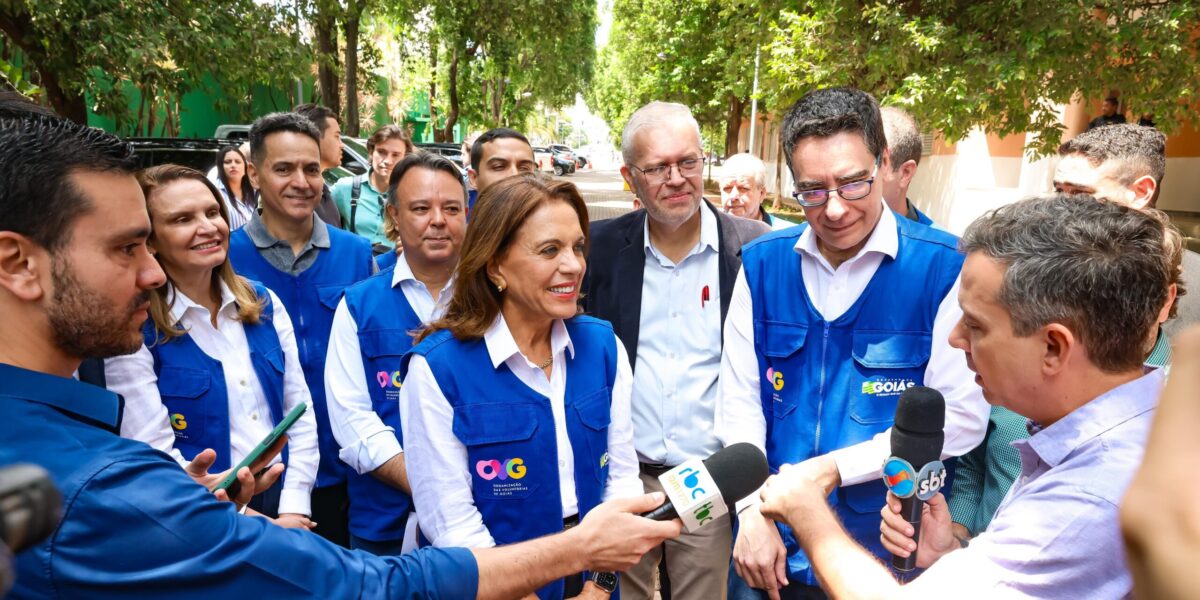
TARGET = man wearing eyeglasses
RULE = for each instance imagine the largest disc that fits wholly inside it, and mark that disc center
(663, 276)
(829, 323)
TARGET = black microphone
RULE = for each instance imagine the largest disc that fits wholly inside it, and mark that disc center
(30, 508)
(737, 470)
(915, 473)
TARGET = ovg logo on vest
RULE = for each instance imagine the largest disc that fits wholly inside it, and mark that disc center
(882, 386)
(499, 472)
(390, 382)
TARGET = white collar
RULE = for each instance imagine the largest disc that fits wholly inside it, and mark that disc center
(403, 272)
(501, 345)
(181, 303)
(708, 231)
(883, 239)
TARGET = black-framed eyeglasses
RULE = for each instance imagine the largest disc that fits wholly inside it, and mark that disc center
(662, 173)
(855, 190)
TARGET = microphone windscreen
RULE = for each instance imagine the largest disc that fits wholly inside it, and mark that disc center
(917, 435)
(738, 470)
(921, 410)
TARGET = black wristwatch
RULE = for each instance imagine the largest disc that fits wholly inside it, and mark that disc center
(605, 581)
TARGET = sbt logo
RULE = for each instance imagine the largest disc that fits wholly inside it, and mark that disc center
(178, 423)
(385, 379)
(931, 479)
(513, 468)
(886, 387)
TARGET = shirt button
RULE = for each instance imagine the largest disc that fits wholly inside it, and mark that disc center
(242, 383)
(677, 273)
(254, 416)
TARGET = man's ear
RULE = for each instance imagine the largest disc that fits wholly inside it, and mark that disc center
(252, 173)
(1143, 189)
(1060, 348)
(24, 267)
(908, 170)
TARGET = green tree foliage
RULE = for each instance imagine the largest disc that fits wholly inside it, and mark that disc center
(696, 52)
(88, 50)
(496, 61)
(1000, 65)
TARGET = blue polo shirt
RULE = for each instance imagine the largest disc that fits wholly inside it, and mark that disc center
(136, 526)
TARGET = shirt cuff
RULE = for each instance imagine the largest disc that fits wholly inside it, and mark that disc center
(371, 452)
(753, 500)
(861, 462)
(295, 501)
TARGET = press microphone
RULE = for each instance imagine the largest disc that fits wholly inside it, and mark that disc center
(30, 508)
(699, 492)
(915, 473)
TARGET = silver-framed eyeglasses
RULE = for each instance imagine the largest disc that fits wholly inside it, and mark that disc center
(662, 173)
(855, 190)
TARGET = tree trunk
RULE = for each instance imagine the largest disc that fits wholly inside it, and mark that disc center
(433, 77)
(452, 116)
(733, 124)
(67, 103)
(327, 59)
(350, 24)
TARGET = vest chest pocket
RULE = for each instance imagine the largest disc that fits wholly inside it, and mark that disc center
(330, 295)
(382, 350)
(505, 459)
(183, 392)
(888, 363)
(781, 344)
(595, 412)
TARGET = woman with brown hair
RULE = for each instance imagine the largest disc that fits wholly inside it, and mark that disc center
(219, 366)
(515, 410)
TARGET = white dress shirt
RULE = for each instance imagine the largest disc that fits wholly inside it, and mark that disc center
(833, 291)
(678, 351)
(437, 460)
(145, 416)
(366, 442)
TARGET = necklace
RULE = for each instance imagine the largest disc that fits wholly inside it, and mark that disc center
(546, 363)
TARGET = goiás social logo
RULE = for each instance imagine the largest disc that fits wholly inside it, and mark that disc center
(886, 386)
(903, 480)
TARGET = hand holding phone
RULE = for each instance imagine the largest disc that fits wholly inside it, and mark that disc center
(260, 456)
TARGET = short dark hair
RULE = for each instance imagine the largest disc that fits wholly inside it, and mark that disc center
(492, 135)
(1137, 150)
(422, 160)
(319, 115)
(830, 111)
(38, 154)
(1112, 100)
(275, 123)
(390, 132)
(1098, 267)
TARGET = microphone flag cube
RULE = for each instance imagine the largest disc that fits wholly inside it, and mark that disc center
(694, 494)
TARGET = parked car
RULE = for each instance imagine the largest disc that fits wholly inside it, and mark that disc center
(451, 151)
(553, 161)
(571, 153)
(199, 154)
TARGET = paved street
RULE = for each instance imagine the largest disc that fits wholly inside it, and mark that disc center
(604, 192)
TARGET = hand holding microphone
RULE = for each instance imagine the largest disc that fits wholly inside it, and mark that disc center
(913, 476)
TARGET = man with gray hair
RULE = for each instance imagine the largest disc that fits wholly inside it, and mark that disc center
(1060, 298)
(663, 276)
(743, 184)
(904, 150)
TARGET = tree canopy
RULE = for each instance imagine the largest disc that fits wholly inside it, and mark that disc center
(1002, 65)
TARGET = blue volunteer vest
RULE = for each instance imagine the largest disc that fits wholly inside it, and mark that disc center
(378, 511)
(509, 432)
(192, 384)
(831, 384)
(311, 299)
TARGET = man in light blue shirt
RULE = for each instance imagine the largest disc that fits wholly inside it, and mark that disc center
(1061, 298)
(361, 198)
